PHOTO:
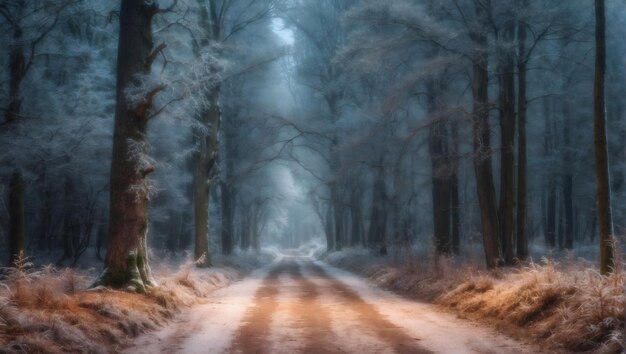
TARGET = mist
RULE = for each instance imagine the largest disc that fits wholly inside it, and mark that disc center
(150, 145)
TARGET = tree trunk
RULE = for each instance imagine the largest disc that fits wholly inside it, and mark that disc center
(355, 216)
(201, 210)
(17, 219)
(482, 150)
(455, 203)
(126, 260)
(603, 195)
(522, 238)
(227, 218)
(328, 229)
(17, 65)
(551, 214)
(337, 215)
(441, 197)
(568, 186)
(71, 222)
(206, 143)
(507, 135)
(378, 220)
(171, 243)
(204, 162)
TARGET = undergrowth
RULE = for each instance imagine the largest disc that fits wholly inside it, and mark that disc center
(568, 305)
(50, 310)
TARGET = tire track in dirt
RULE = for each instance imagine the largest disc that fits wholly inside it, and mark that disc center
(253, 335)
(310, 316)
(369, 316)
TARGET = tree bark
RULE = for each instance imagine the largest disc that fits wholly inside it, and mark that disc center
(551, 214)
(603, 195)
(355, 216)
(455, 203)
(206, 143)
(126, 260)
(441, 197)
(227, 218)
(17, 66)
(568, 184)
(71, 222)
(378, 219)
(17, 219)
(522, 238)
(507, 136)
(482, 149)
(328, 229)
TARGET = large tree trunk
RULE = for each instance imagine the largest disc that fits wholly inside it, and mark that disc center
(482, 150)
(522, 238)
(603, 195)
(126, 260)
(507, 135)
(17, 220)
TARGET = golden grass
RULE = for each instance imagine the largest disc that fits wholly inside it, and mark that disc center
(569, 306)
(52, 311)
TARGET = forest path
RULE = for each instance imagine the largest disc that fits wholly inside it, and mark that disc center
(299, 305)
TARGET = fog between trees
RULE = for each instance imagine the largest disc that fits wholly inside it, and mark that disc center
(459, 128)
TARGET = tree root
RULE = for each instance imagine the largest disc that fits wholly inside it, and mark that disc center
(137, 277)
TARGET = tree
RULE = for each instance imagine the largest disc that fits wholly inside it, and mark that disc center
(17, 220)
(29, 25)
(521, 235)
(219, 21)
(126, 260)
(482, 147)
(506, 78)
(603, 186)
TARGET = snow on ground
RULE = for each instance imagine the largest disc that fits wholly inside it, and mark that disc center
(297, 304)
(439, 332)
(208, 327)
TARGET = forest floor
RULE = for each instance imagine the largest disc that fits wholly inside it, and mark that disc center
(563, 305)
(300, 305)
(46, 309)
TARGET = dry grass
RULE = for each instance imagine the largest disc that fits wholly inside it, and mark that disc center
(51, 311)
(568, 306)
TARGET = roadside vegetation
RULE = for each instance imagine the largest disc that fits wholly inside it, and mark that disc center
(567, 304)
(51, 310)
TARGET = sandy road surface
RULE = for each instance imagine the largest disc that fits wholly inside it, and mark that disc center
(298, 305)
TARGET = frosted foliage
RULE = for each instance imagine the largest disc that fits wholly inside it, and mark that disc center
(182, 87)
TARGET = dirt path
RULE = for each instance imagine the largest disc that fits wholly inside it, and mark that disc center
(298, 305)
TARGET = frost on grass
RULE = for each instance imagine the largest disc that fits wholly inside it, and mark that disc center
(568, 305)
(50, 310)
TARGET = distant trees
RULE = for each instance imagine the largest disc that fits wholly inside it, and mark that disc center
(28, 29)
(404, 123)
(495, 42)
(320, 37)
(219, 21)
